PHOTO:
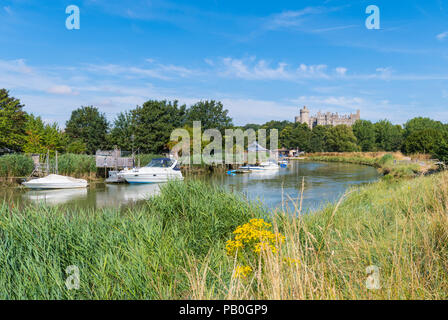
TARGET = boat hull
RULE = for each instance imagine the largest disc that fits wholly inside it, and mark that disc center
(56, 182)
(53, 186)
(150, 178)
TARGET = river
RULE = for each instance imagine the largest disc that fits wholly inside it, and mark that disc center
(324, 182)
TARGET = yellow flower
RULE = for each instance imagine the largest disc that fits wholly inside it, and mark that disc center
(291, 261)
(242, 271)
(256, 235)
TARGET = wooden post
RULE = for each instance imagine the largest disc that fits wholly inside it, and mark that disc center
(48, 162)
(57, 167)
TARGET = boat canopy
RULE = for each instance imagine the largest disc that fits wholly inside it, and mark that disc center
(161, 163)
(254, 147)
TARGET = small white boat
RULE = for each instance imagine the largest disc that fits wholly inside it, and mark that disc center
(264, 166)
(158, 170)
(55, 181)
(115, 177)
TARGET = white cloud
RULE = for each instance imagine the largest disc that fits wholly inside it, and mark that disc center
(341, 71)
(253, 69)
(62, 89)
(288, 19)
(442, 36)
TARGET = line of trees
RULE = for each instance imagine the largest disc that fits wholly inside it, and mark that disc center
(147, 128)
(418, 135)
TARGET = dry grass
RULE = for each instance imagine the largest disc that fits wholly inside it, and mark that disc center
(402, 228)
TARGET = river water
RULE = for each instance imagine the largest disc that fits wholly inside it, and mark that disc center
(323, 182)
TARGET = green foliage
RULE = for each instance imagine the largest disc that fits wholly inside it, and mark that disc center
(364, 132)
(211, 114)
(76, 164)
(42, 137)
(153, 123)
(145, 158)
(419, 123)
(423, 141)
(387, 159)
(77, 147)
(296, 135)
(12, 122)
(121, 134)
(341, 139)
(90, 126)
(141, 253)
(388, 137)
(318, 141)
(16, 165)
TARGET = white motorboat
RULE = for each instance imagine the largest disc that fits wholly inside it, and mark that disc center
(55, 181)
(264, 166)
(158, 170)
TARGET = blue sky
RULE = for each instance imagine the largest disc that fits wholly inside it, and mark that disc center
(262, 59)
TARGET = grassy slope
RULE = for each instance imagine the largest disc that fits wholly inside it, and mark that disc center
(384, 163)
(174, 247)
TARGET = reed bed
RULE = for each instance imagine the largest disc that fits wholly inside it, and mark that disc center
(174, 247)
(77, 165)
(15, 165)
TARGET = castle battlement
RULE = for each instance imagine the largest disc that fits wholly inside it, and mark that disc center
(327, 118)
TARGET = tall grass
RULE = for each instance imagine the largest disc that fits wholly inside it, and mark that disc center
(174, 247)
(401, 228)
(136, 254)
(15, 165)
(79, 165)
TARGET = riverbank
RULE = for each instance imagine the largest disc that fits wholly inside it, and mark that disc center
(174, 247)
(391, 165)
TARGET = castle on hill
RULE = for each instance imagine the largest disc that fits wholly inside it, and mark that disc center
(328, 118)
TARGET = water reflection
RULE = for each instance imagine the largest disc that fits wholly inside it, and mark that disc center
(324, 182)
(119, 194)
(53, 197)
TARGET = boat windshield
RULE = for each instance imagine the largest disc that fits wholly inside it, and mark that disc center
(160, 163)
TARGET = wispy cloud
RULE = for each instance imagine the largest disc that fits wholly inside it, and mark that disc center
(442, 36)
(8, 10)
(253, 69)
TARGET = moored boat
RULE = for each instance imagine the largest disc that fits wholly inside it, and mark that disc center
(264, 166)
(55, 181)
(158, 170)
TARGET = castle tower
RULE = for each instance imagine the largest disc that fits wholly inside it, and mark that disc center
(305, 115)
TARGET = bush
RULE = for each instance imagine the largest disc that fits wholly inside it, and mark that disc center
(16, 165)
(76, 164)
(386, 159)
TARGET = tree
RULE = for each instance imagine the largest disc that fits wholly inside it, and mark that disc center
(42, 137)
(388, 137)
(364, 132)
(423, 141)
(153, 123)
(340, 138)
(296, 136)
(77, 147)
(420, 123)
(90, 126)
(318, 141)
(122, 132)
(12, 122)
(211, 114)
